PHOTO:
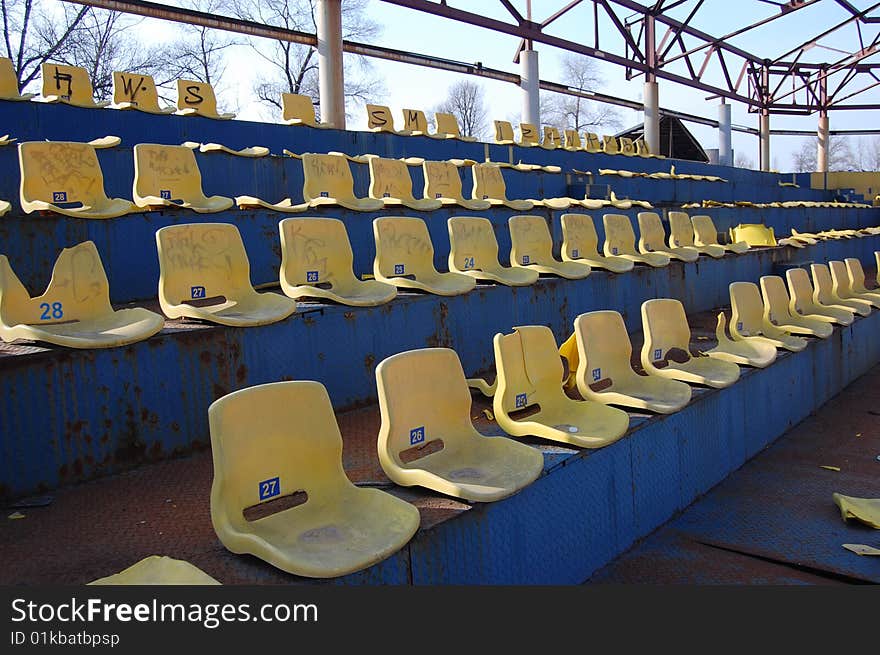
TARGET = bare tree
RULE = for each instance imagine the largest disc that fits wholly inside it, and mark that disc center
(744, 161)
(466, 100)
(866, 155)
(840, 155)
(575, 112)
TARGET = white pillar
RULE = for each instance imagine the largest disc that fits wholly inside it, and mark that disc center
(823, 145)
(765, 141)
(652, 116)
(328, 18)
(725, 150)
(531, 99)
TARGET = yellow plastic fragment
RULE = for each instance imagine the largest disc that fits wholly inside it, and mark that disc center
(866, 510)
(830, 468)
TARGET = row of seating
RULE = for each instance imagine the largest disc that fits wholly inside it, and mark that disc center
(758, 234)
(785, 204)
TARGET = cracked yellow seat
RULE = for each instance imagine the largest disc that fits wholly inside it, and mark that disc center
(137, 91)
(504, 133)
(316, 262)
(531, 246)
(610, 146)
(856, 275)
(447, 126)
(390, 182)
(552, 140)
(599, 354)
(842, 278)
(803, 302)
(580, 243)
(705, 235)
(196, 98)
(169, 176)
(747, 319)
(280, 444)
(158, 570)
(426, 437)
(328, 181)
(571, 140)
(825, 294)
(592, 143)
(529, 136)
(681, 235)
(489, 186)
(65, 177)
(745, 352)
(204, 274)
(9, 83)
(652, 239)
(777, 311)
(69, 85)
(627, 147)
(530, 400)
(405, 258)
(620, 241)
(75, 309)
(299, 109)
(666, 350)
(754, 234)
(474, 252)
(643, 150)
(379, 119)
(443, 182)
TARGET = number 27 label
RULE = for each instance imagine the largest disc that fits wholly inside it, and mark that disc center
(270, 488)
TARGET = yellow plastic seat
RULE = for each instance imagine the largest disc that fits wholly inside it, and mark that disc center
(840, 286)
(5, 207)
(620, 241)
(599, 355)
(757, 234)
(866, 510)
(877, 260)
(627, 147)
(425, 404)
(652, 238)
(610, 145)
(552, 140)
(706, 236)
(196, 98)
(169, 176)
(529, 136)
(405, 258)
(328, 181)
(390, 182)
(642, 150)
(416, 124)
(204, 273)
(316, 262)
(681, 235)
(667, 340)
(9, 82)
(489, 186)
(504, 133)
(137, 91)
(298, 109)
(777, 311)
(850, 280)
(447, 126)
(745, 352)
(281, 442)
(69, 85)
(580, 243)
(379, 119)
(250, 151)
(65, 177)
(592, 142)
(443, 183)
(75, 309)
(747, 319)
(531, 246)
(474, 252)
(529, 376)
(571, 140)
(824, 293)
(158, 570)
(803, 303)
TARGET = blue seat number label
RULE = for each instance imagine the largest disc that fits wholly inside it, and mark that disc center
(270, 488)
(399, 269)
(165, 194)
(468, 263)
(325, 194)
(614, 250)
(417, 435)
(658, 354)
(739, 325)
(197, 292)
(521, 400)
(597, 374)
(55, 310)
(574, 253)
(311, 276)
(525, 259)
(59, 196)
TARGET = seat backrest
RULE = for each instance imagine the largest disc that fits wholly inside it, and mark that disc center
(530, 240)
(137, 89)
(652, 236)
(389, 178)
(315, 251)
(488, 182)
(270, 441)
(620, 239)
(579, 238)
(839, 279)
(61, 173)
(8, 79)
(604, 348)
(403, 247)
(379, 118)
(298, 106)
(856, 274)
(642, 148)
(776, 299)
(201, 261)
(626, 146)
(192, 94)
(572, 139)
(78, 290)
(665, 327)
(472, 243)
(503, 131)
(441, 180)
(529, 367)
(592, 142)
(423, 396)
(528, 133)
(746, 307)
(169, 172)
(326, 176)
(414, 120)
(681, 230)
(705, 233)
(551, 137)
(755, 234)
(72, 83)
(799, 289)
(822, 284)
(609, 144)
(447, 123)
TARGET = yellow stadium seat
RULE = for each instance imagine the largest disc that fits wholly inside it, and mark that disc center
(529, 135)
(620, 241)
(65, 177)
(610, 145)
(552, 140)
(857, 280)
(681, 235)
(504, 133)
(316, 262)
(803, 303)
(204, 273)
(169, 176)
(379, 119)
(9, 82)
(415, 123)
(251, 151)
(599, 357)
(666, 350)
(777, 311)
(529, 376)
(745, 352)
(137, 91)
(75, 309)
(824, 293)
(427, 438)
(390, 182)
(489, 186)
(5, 207)
(705, 235)
(69, 85)
(298, 109)
(627, 147)
(158, 570)
(757, 234)
(405, 258)
(592, 143)
(281, 442)
(447, 126)
(747, 319)
(877, 261)
(443, 182)
(581, 243)
(196, 98)
(850, 281)
(840, 286)
(652, 239)
(571, 140)
(474, 252)
(642, 150)
(531, 246)
(328, 181)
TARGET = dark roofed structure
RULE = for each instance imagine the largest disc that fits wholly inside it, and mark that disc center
(675, 140)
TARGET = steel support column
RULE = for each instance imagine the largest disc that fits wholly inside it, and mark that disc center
(328, 19)
(725, 150)
(651, 90)
(530, 84)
